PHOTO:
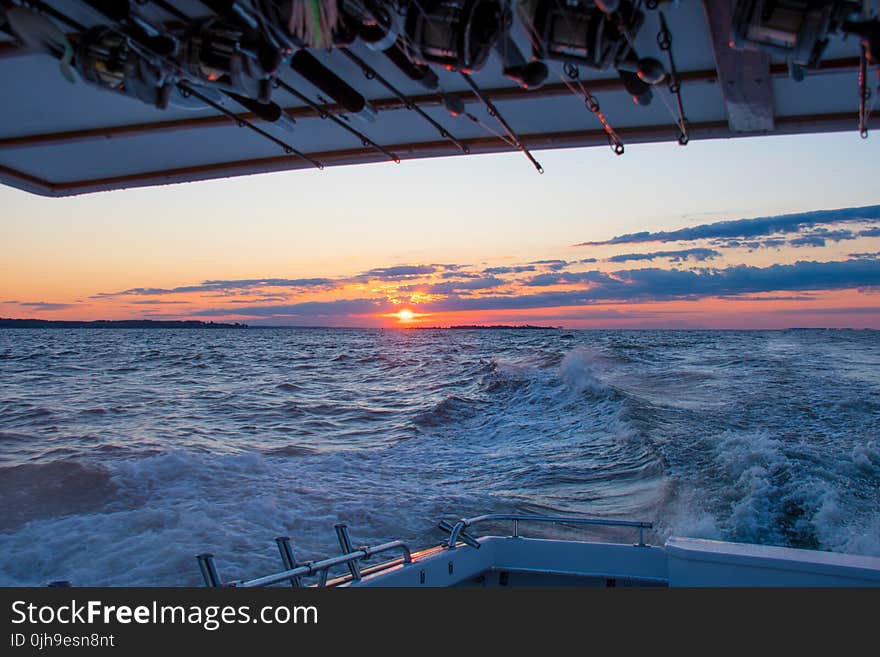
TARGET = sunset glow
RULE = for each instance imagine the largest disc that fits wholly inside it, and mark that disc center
(398, 251)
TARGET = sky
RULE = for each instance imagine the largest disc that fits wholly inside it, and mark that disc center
(769, 232)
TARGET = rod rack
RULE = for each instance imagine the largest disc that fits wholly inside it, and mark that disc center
(293, 573)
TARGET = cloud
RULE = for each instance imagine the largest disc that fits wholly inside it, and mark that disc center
(305, 309)
(510, 270)
(262, 299)
(451, 287)
(853, 310)
(748, 228)
(789, 297)
(222, 286)
(652, 284)
(250, 283)
(771, 242)
(43, 305)
(699, 254)
(874, 231)
(567, 278)
(820, 236)
(590, 288)
(459, 274)
(808, 240)
(405, 271)
(552, 265)
(865, 256)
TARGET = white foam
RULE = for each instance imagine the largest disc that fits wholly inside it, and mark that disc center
(579, 370)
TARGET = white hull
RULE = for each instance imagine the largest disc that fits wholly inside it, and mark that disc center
(681, 562)
(466, 560)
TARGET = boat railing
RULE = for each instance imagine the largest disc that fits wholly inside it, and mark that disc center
(293, 572)
(457, 531)
(353, 558)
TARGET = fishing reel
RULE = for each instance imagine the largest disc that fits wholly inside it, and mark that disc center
(799, 30)
(379, 27)
(135, 26)
(219, 52)
(458, 35)
(377, 23)
(105, 58)
(591, 33)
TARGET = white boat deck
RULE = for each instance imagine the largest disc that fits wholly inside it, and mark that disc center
(682, 562)
(465, 560)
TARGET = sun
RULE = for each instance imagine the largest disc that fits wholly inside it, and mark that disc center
(405, 316)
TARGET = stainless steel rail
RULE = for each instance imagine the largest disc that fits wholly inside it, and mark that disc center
(293, 572)
(457, 531)
(293, 575)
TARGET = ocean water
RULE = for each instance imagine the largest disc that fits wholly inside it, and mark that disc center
(125, 452)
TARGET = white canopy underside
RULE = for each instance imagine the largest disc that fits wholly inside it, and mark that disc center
(60, 139)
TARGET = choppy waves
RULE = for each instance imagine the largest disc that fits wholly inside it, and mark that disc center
(123, 454)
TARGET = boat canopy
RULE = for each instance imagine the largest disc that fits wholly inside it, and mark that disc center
(109, 95)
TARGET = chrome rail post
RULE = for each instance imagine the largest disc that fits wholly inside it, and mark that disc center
(209, 570)
(287, 558)
(456, 532)
(347, 548)
(453, 535)
(387, 547)
(465, 538)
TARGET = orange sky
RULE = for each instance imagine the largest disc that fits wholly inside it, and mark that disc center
(424, 294)
(479, 240)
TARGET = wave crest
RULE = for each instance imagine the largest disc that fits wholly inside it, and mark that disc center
(56, 488)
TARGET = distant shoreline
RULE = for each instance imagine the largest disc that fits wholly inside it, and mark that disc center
(8, 323)
(116, 324)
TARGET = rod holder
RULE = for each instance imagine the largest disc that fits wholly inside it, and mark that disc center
(287, 558)
(347, 548)
(457, 533)
(209, 570)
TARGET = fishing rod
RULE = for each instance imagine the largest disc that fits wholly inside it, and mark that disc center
(316, 73)
(144, 50)
(494, 113)
(456, 107)
(864, 93)
(171, 9)
(325, 114)
(188, 90)
(310, 67)
(572, 72)
(371, 74)
(664, 40)
(469, 55)
(48, 10)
